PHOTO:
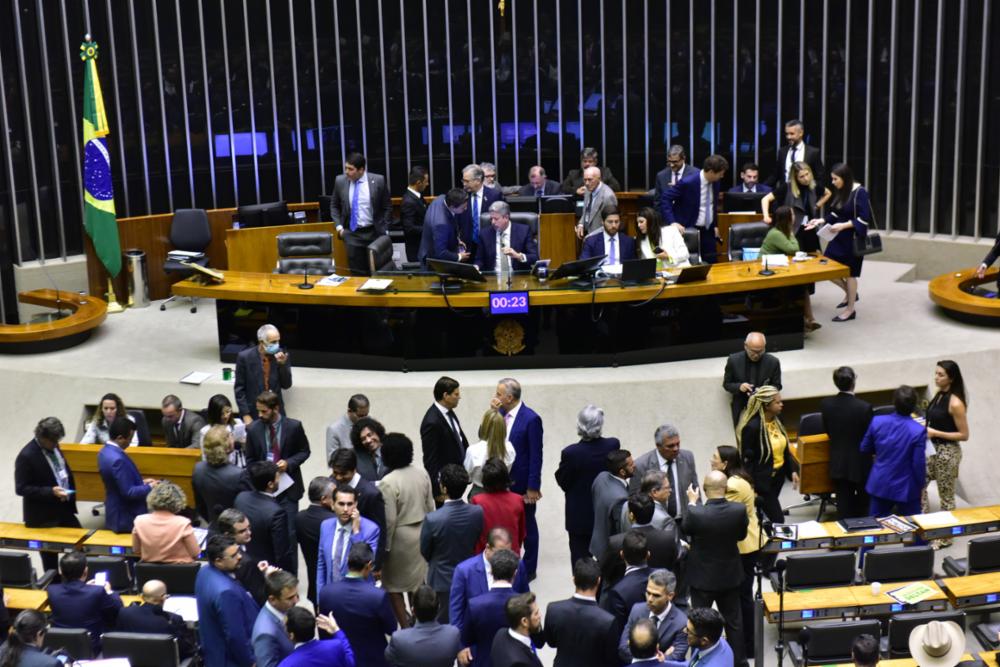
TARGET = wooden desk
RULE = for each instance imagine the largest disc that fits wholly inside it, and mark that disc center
(903, 662)
(950, 291)
(171, 463)
(86, 314)
(107, 543)
(973, 590)
(19, 536)
(812, 452)
(883, 605)
(854, 601)
(842, 538)
(988, 657)
(22, 598)
(968, 521)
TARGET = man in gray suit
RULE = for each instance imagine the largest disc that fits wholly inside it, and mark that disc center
(596, 196)
(428, 643)
(360, 207)
(678, 465)
(609, 490)
(179, 425)
(670, 621)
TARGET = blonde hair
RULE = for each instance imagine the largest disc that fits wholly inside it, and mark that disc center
(493, 430)
(215, 446)
(166, 496)
(759, 399)
(793, 177)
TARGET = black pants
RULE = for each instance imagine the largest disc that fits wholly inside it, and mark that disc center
(772, 504)
(746, 599)
(357, 249)
(579, 547)
(728, 603)
(852, 499)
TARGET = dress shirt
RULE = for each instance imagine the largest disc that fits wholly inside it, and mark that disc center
(476, 455)
(345, 547)
(795, 153)
(751, 189)
(674, 483)
(453, 425)
(354, 480)
(705, 202)
(267, 437)
(662, 615)
(585, 598)
(511, 416)
(415, 193)
(521, 638)
(279, 616)
(705, 651)
(359, 189)
(477, 199)
(632, 568)
(503, 241)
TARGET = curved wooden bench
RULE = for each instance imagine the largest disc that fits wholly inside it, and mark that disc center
(87, 313)
(952, 291)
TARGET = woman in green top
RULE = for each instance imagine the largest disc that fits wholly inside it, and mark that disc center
(781, 241)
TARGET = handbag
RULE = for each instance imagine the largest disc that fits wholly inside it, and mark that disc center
(870, 243)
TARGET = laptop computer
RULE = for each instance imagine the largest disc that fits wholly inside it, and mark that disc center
(636, 271)
(690, 274)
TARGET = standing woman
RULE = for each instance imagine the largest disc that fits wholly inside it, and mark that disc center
(406, 490)
(763, 445)
(947, 427)
(805, 197)
(492, 443)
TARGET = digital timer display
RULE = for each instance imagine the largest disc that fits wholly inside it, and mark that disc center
(508, 303)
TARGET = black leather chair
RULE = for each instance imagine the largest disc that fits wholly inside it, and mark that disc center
(143, 649)
(986, 634)
(692, 239)
(141, 427)
(746, 235)
(837, 568)
(308, 253)
(831, 642)
(16, 572)
(901, 625)
(983, 556)
(116, 568)
(325, 208)
(178, 577)
(900, 564)
(75, 642)
(189, 231)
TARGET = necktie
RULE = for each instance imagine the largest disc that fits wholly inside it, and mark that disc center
(338, 552)
(672, 506)
(674, 177)
(655, 619)
(534, 651)
(354, 206)
(612, 255)
(275, 445)
(475, 216)
(539, 192)
(378, 464)
(265, 363)
(454, 425)
(586, 211)
(504, 259)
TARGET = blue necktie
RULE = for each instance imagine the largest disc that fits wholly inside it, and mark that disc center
(338, 553)
(612, 255)
(354, 206)
(475, 218)
(539, 192)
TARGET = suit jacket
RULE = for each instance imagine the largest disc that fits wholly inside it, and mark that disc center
(186, 433)
(215, 489)
(596, 200)
(593, 246)
(426, 644)
(333, 652)
(125, 493)
(484, 618)
(579, 466)
(226, 616)
(760, 188)
(504, 509)
(811, 157)
(467, 230)
(721, 655)
(368, 467)
(581, 633)
(682, 201)
(526, 434)
(440, 445)
(687, 475)
(469, 581)
(664, 180)
(740, 369)
(411, 215)
(898, 443)
(248, 574)
(371, 506)
(152, 618)
(33, 656)
(447, 537)
(249, 381)
(294, 449)
(439, 237)
(75, 604)
(845, 420)
(663, 550)
(521, 240)
(270, 640)
(624, 595)
(33, 481)
(714, 529)
(505, 651)
(364, 614)
(340, 203)
(608, 492)
(671, 632)
(325, 573)
(550, 188)
(269, 525)
(307, 525)
(574, 179)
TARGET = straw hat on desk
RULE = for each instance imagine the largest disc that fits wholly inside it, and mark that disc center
(937, 644)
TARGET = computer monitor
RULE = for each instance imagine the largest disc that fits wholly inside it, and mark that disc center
(578, 267)
(739, 202)
(270, 214)
(557, 204)
(523, 204)
(452, 274)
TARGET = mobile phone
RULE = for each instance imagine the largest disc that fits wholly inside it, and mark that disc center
(101, 578)
(70, 492)
(657, 250)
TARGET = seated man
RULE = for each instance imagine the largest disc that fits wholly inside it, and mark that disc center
(179, 425)
(439, 238)
(617, 247)
(538, 184)
(750, 180)
(78, 603)
(150, 617)
(503, 238)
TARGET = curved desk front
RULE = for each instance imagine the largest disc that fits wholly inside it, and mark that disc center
(410, 327)
(954, 292)
(85, 314)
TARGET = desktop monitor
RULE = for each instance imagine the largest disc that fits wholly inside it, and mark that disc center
(270, 214)
(578, 267)
(739, 202)
(523, 204)
(452, 274)
(557, 204)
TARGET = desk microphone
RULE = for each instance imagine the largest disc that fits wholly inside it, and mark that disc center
(765, 271)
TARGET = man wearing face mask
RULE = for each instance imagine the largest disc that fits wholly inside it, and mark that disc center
(264, 367)
(440, 237)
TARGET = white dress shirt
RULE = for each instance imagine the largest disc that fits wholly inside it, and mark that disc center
(705, 202)
(796, 153)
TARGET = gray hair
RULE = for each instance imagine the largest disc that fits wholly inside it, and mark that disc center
(754, 334)
(50, 428)
(473, 170)
(488, 165)
(588, 153)
(264, 331)
(166, 496)
(512, 386)
(319, 488)
(539, 168)
(590, 422)
(665, 431)
(652, 480)
(664, 578)
(501, 208)
(677, 149)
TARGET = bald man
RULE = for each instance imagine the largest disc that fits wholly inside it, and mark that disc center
(151, 617)
(714, 568)
(596, 196)
(749, 369)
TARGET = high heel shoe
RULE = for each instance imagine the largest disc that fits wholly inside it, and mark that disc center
(843, 304)
(850, 317)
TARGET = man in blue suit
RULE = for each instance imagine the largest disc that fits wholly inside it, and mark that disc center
(693, 202)
(270, 639)
(525, 432)
(502, 237)
(616, 247)
(78, 603)
(704, 633)
(226, 612)
(481, 197)
(428, 643)
(472, 576)
(750, 181)
(486, 612)
(440, 236)
(670, 622)
(362, 610)
(124, 488)
(312, 652)
(338, 535)
(448, 536)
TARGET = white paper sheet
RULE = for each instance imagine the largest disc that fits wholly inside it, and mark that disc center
(826, 233)
(935, 519)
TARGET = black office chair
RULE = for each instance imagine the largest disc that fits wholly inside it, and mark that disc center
(900, 564)
(897, 644)
(189, 231)
(836, 568)
(75, 642)
(305, 253)
(692, 239)
(325, 208)
(141, 427)
(16, 572)
(831, 642)
(986, 634)
(746, 235)
(983, 556)
(179, 578)
(883, 410)
(143, 649)
(811, 423)
(116, 568)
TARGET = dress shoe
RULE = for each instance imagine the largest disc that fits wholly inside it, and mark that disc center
(838, 318)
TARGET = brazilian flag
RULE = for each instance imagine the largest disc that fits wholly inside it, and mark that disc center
(99, 196)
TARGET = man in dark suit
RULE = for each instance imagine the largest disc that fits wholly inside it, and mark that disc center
(180, 426)
(337, 535)
(234, 524)
(525, 433)
(796, 150)
(616, 247)
(282, 441)
(448, 536)
(538, 184)
(361, 610)
(516, 645)
(750, 180)
(412, 209)
(678, 464)
(78, 603)
(749, 369)
(845, 420)
(480, 198)
(501, 238)
(226, 612)
(677, 168)
(580, 631)
(573, 183)
(371, 506)
(472, 577)
(693, 202)
(360, 207)
(670, 622)
(609, 493)
(268, 519)
(662, 545)
(620, 598)
(428, 643)
(579, 466)
(270, 640)
(307, 524)
(440, 236)
(441, 435)
(486, 612)
(151, 617)
(714, 568)
(259, 369)
(125, 490)
(44, 480)
(644, 645)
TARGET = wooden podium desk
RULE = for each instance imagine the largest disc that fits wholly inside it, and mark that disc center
(26, 598)
(812, 452)
(107, 543)
(853, 601)
(19, 536)
(967, 521)
(973, 590)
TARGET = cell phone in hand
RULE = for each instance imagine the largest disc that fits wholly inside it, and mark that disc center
(657, 250)
(101, 578)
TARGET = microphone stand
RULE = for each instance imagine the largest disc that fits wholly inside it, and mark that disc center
(779, 646)
(758, 570)
(765, 271)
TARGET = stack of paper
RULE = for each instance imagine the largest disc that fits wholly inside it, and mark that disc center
(375, 285)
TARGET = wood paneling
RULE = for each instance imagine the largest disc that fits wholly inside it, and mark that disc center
(813, 455)
(256, 249)
(557, 237)
(171, 463)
